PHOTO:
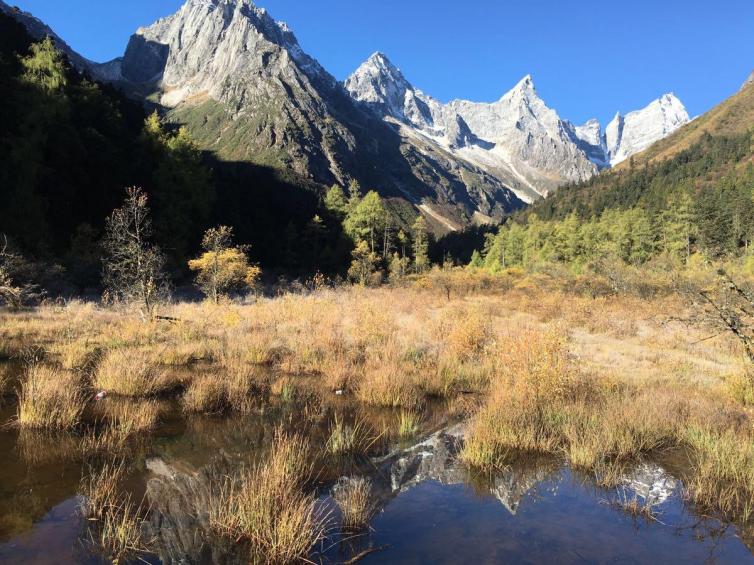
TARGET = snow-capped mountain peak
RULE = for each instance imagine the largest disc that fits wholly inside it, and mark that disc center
(636, 131)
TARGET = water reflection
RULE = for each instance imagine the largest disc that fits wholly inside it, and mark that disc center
(429, 507)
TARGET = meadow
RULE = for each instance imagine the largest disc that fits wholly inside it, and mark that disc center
(534, 364)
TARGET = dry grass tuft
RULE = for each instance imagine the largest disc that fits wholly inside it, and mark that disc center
(131, 416)
(267, 507)
(346, 439)
(206, 395)
(408, 423)
(354, 498)
(114, 520)
(50, 399)
(723, 473)
(132, 372)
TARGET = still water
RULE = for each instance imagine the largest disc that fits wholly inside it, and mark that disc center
(431, 510)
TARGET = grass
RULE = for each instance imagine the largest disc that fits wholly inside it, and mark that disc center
(207, 395)
(346, 439)
(132, 372)
(131, 416)
(548, 363)
(114, 520)
(50, 399)
(408, 423)
(267, 507)
(354, 499)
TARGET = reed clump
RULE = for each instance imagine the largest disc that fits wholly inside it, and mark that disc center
(113, 519)
(355, 501)
(207, 395)
(349, 439)
(131, 416)
(132, 372)
(267, 506)
(50, 399)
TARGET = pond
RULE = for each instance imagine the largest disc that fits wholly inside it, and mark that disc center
(430, 509)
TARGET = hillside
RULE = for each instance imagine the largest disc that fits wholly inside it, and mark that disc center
(691, 193)
(734, 116)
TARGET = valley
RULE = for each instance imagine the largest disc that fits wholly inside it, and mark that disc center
(254, 313)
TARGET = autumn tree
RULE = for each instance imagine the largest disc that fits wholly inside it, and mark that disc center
(133, 265)
(223, 267)
(363, 265)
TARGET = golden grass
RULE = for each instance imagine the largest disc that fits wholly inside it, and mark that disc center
(132, 372)
(206, 394)
(408, 423)
(629, 376)
(347, 439)
(113, 519)
(723, 472)
(130, 416)
(354, 499)
(267, 507)
(50, 399)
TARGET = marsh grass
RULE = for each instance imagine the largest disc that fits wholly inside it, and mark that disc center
(354, 499)
(267, 507)
(130, 416)
(132, 372)
(723, 472)
(50, 399)
(113, 519)
(207, 395)
(348, 439)
(408, 423)
(635, 506)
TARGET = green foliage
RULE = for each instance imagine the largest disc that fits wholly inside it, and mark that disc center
(701, 201)
(181, 186)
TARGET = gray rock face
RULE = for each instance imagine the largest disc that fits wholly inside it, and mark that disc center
(517, 139)
(636, 131)
(247, 90)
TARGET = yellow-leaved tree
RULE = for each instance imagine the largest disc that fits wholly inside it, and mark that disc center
(223, 267)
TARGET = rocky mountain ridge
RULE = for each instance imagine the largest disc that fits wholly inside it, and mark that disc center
(242, 84)
(518, 138)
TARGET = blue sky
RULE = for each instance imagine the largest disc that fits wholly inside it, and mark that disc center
(588, 58)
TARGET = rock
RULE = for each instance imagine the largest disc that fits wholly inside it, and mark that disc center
(630, 134)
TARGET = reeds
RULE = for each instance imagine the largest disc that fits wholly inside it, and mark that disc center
(114, 520)
(354, 499)
(267, 507)
(408, 423)
(723, 473)
(347, 439)
(50, 399)
(132, 372)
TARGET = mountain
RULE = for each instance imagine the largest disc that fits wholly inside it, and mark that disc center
(245, 89)
(518, 139)
(39, 30)
(630, 134)
(710, 160)
(732, 117)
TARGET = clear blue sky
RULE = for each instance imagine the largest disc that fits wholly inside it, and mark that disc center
(588, 58)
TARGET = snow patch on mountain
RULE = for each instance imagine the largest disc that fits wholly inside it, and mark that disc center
(517, 138)
(636, 131)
